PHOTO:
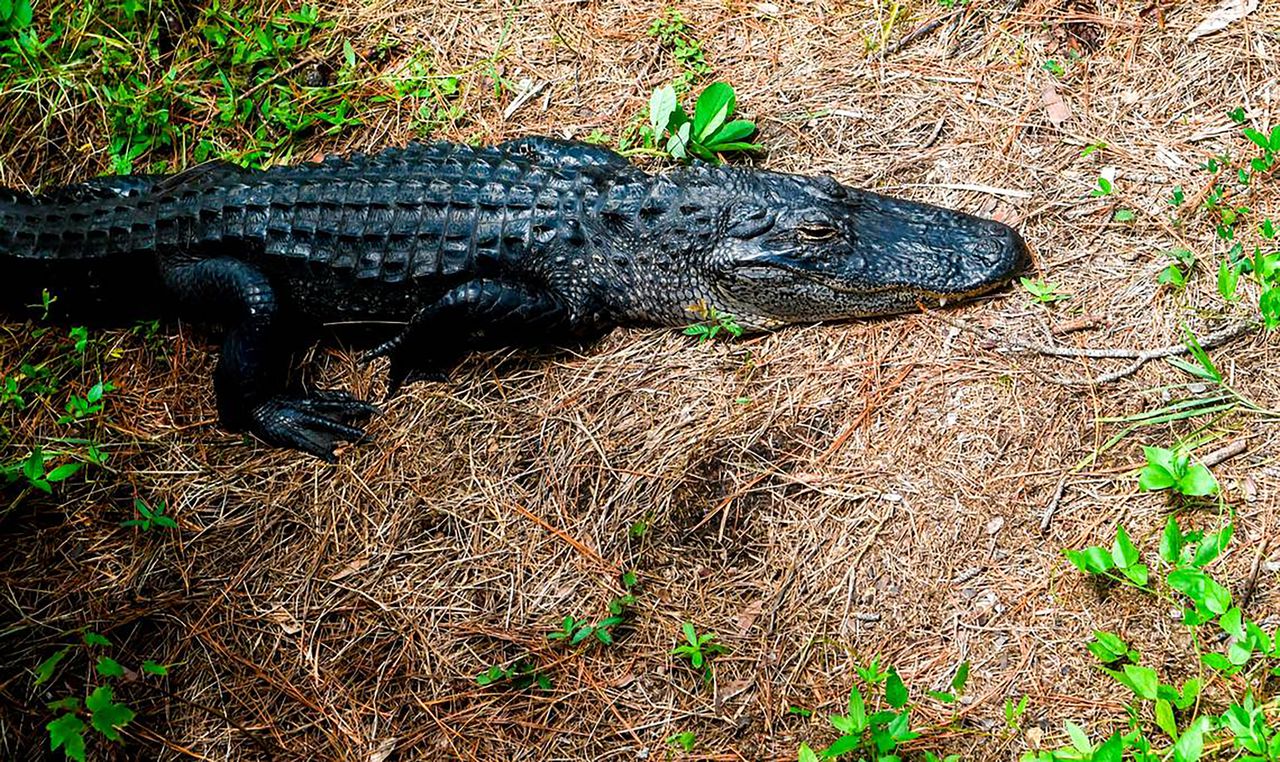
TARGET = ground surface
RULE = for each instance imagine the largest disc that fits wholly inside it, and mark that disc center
(816, 497)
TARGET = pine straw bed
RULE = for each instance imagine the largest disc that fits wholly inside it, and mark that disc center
(816, 496)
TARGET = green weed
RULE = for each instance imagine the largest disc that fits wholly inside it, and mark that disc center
(711, 323)
(710, 133)
(106, 714)
(699, 649)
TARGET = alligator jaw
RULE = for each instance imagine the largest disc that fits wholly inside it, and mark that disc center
(829, 252)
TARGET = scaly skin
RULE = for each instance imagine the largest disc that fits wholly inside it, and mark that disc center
(436, 250)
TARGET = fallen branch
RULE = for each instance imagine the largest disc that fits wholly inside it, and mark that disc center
(1140, 357)
(1225, 453)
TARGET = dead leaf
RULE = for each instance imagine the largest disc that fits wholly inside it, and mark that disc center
(1222, 17)
(352, 567)
(285, 620)
(1054, 107)
(749, 615)
(384, 750)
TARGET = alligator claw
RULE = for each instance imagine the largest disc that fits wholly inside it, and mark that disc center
(314, 424)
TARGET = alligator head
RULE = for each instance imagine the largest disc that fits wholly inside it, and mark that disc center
(807, 249)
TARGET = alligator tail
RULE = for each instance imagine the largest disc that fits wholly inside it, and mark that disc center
(83, 244)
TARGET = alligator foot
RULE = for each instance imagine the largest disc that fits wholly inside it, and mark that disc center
(409, 366)
(313, 424)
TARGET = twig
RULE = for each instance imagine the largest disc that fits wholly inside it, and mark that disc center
(1226, 452)
(1252, 582)
(1140, 357)
(1046, 518)
(919, 32)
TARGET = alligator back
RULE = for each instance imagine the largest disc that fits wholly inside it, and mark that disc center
(362, 237)
(64, 241)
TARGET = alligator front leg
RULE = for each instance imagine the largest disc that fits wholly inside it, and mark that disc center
(479, 314)
(253, 368)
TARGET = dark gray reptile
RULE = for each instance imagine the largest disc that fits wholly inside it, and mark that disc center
(441, 249)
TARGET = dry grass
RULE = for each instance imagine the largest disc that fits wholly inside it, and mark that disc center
(880, 492)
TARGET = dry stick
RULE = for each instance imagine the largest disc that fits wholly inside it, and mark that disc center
(1046, 518)
(1140, 357)
(1225, 452)
(919, 32)
(1252, 582)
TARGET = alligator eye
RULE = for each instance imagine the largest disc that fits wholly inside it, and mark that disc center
(814, 233)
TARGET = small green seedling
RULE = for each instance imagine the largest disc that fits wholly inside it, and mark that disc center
(1123, 215)
(150, 517)
(699, 649)
(1111, 649)
(957, 685)
(685, 740)
(1175, 274)
(1054, 68)
(520, 676)
(709, 133)
(1122, 557)
(712, 323)
(1173, 470)
(1105, 188)
(1043, 291)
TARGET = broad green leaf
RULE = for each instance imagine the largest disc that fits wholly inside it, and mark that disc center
(1079, 738)
(1138, 574)
(690, 634)
(1171, 541)
(1198, 482)
(1165, 720)
(807, 754)
(734, 146)
(45, 669)
(1123, 552)
(1232, 622)
(961, 677)
(1190, 692)
(842, 745)
(105, 714)
(1257, 137)
(733, 131)
(714, 106)
(92, 638)
(1142, 680)
(1191, 745)
(67, 733)
(108, 667)
(943, 696)
(1155, 477)
(1111, 751)
(1228, 280)
(63, 471)
(857, 710)
(662, 104)
(154, 668)
(895, 691)
(678, 144)
(1217, 661)
(1239, 653)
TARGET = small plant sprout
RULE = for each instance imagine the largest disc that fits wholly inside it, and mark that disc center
(1173, 470)
(1042, 291)
(1104, 188)
(685, 740)
(1176, 272)
(1123, 215)
(1054, 68)
(711, 323)
(710, 132)
(1177, 198)
(149, 517)
(699, 649)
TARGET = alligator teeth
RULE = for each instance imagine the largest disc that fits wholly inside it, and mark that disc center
(942, 301)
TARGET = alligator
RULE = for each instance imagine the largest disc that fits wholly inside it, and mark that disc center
(429, 251)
